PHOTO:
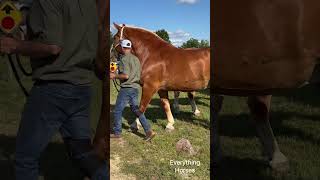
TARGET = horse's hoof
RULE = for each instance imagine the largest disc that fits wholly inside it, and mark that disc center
(279, 163)
(197, 113)
(281, 167)
(169, 128)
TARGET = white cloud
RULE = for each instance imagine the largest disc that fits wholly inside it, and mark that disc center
(187, 1)
(178, 37)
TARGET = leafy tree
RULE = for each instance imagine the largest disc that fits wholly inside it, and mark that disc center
(195, 43)
(164, 35)
(204, 44)
(191, 43)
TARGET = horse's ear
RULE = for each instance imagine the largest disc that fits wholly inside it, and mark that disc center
(117, 26)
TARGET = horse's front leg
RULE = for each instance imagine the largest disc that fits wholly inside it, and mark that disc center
(176, 102)
(194, 107)
(148, 90)
(260, 109)
(164, 97)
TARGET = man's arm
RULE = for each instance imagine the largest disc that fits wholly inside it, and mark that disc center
(121, 76)
(28, 48)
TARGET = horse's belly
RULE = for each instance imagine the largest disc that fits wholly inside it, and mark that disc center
(187, 85)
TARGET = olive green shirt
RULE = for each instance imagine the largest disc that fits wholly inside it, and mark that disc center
(73, 26)
(130, 65)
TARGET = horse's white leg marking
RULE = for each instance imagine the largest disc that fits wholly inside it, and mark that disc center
(260, 108)
(136, 124)
(166, 106)
(194, 107)
(176, 102)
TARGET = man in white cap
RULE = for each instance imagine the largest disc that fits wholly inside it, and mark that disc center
(129, 75)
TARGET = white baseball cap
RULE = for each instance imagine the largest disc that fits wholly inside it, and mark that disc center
(126, 43)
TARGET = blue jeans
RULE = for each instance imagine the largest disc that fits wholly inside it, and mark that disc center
(53, 107)
(125, 96)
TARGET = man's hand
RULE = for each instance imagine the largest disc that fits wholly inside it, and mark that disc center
(112, 75)
(8, 45)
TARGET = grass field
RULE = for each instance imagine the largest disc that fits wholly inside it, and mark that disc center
(295, 119)
(132, 158)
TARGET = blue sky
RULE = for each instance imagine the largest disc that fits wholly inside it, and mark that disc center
(183, 19)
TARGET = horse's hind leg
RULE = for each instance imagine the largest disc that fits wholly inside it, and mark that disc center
(166, 106)
(176, 102)
(216, 103)
(260, 108)
(194, 107)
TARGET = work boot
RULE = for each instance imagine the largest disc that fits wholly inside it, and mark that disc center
(149, 135)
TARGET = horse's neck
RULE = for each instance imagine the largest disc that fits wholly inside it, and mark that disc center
(142, 50)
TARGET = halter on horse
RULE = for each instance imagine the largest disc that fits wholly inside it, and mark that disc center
(165, 67)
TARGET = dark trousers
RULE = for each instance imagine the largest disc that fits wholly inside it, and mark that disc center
(53, 107)
(125, 96)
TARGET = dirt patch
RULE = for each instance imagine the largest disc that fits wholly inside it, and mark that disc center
(115, 170)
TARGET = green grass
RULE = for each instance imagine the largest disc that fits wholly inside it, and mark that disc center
(145, 160)
(295, 119)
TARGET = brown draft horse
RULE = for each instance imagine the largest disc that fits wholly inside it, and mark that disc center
(262, 46)
(165, 67)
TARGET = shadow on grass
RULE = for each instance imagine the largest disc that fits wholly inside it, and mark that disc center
(154, 114)
(308, 95)
(243, 126)
(182, 101)
(232, 168)
(54, 162)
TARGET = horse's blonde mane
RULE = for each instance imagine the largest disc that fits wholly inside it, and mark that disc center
(146, 30)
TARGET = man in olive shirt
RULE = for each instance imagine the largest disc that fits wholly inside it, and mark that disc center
(129, 75)
(63, 38)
